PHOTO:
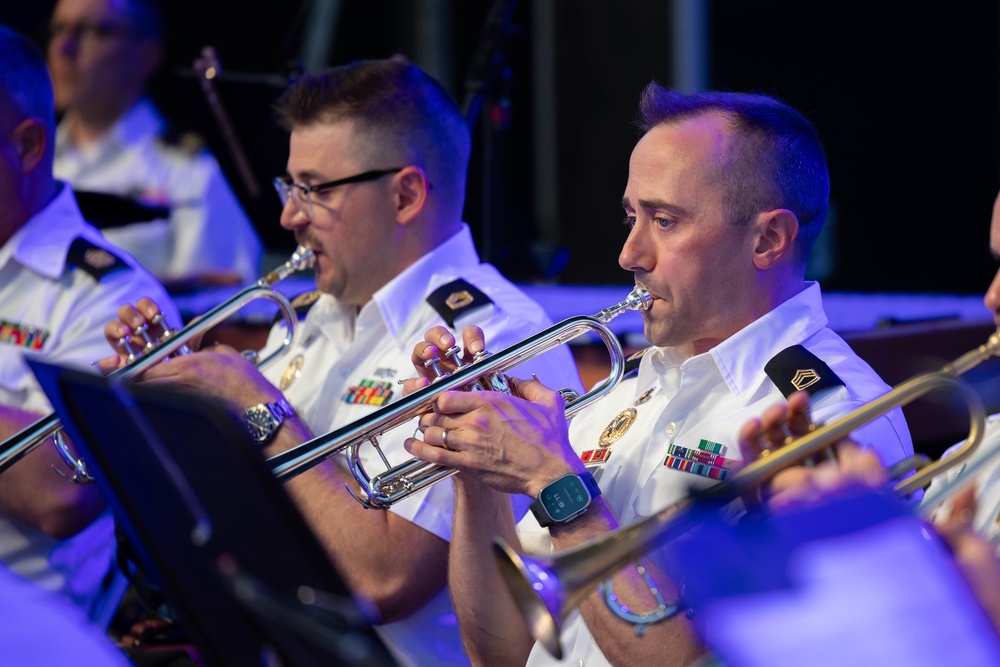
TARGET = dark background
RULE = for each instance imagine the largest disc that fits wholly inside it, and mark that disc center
(905, 98)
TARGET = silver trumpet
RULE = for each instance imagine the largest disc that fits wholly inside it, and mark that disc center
(546, 588)
(485, 371)
(150, 352)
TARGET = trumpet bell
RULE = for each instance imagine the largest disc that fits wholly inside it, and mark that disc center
(536, 590)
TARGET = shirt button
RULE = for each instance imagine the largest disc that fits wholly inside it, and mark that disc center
(671, 428)
(580, 663)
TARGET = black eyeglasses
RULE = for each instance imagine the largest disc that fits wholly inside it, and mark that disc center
(301, 195)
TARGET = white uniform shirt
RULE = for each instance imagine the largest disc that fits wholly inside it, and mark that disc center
(341, 351)
(207, 230)
(984, 464)
(60, 310)
(708, 397)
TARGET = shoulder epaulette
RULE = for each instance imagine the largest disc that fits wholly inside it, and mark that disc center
(93, 259)
(301, 304)
(633, 360)
(456, 298)
(186, 141)
(797, 369)
(106, 211)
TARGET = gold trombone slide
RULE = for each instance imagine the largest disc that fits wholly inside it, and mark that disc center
(546, 588)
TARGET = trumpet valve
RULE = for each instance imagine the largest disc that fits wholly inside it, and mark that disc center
(168, 333)
(455, 354)
(143, 331)
(433, 365)
(125, 345)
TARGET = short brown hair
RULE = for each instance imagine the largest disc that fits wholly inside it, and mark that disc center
(775, 157)
(396, 105)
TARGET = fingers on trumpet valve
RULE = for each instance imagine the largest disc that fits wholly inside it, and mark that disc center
(145, 329)
(777, 427)
(454, 355)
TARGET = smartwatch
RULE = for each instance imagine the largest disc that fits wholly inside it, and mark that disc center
(565, 499)
(262, 421)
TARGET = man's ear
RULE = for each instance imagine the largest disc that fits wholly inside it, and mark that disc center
(410, 190)
(775, 237)
(31, 139)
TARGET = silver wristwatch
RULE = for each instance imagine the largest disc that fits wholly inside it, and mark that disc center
(262, 421)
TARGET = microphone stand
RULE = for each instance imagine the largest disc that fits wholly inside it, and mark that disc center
(488, 84)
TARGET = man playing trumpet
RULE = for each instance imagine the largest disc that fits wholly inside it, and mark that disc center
(725, 197)
(375, 188)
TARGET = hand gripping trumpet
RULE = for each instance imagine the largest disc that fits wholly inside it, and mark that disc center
(547, 588)
(486, 370)
(173, 341)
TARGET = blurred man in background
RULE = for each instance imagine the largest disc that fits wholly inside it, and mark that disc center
(174, 210)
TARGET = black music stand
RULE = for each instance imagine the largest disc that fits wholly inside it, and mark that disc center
(246, 576)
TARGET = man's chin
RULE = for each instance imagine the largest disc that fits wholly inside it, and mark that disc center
(659, 333)
(653, 335)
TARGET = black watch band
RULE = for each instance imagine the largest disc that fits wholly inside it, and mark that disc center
(565, 499)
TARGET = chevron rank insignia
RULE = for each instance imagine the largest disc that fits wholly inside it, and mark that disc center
(797, 369)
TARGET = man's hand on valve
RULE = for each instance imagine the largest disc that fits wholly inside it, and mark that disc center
(514, 443)
(220, 371)
(801, 484)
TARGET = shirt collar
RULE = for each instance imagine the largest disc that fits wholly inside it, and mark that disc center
(43, 242)
(140, 121)
(398, 298)
(394, 302)
(740, 359)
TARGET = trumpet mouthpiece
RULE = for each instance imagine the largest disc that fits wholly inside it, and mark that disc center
(637, 299)
(303, 258)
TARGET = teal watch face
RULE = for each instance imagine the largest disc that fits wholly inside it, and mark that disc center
(564, 498)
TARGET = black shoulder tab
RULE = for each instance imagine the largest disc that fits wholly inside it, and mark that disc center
(186, 141)
(93, 259)
(302, 303)
(796, 369)
(633, 360)
(456, 298)
(106, 211)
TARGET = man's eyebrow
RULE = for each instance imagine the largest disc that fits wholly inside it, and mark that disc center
(659, 205)
(307, 175)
